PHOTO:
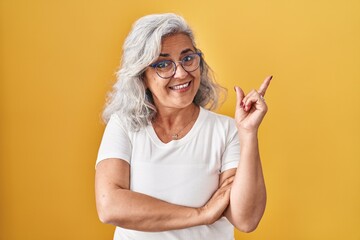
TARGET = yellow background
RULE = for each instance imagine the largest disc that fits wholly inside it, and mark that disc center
(58, 59)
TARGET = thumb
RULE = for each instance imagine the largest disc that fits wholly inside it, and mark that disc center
(239, 96)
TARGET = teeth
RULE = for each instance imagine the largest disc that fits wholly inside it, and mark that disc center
(177, 87)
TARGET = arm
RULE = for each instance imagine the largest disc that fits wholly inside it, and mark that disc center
(248, 192)
(118, 205)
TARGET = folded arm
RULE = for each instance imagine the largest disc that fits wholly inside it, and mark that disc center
(118, 205)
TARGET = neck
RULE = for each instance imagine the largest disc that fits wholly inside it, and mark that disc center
(175, 125)
(175, 118)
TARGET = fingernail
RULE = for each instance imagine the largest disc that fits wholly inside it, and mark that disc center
(270, 77)
(235, 89)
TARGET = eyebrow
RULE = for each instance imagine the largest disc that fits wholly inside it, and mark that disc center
(182, 52)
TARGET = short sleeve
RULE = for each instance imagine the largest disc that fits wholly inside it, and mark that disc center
(231, 155)
(115, 142)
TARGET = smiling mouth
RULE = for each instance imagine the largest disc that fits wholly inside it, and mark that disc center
(180, 86)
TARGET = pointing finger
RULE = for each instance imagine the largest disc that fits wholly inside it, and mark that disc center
(239, 95)
(264, 86)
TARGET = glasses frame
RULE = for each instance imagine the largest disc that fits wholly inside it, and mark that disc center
(154, 65)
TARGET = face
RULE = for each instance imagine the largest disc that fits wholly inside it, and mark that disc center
(178, 91)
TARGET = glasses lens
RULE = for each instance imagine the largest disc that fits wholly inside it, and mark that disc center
(191, 62)
(165, 69)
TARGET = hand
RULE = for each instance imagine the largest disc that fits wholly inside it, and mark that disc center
(251, 109)
(217, 204)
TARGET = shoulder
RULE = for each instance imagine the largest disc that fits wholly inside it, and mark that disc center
(114, 120)
(116, 126)
(118, 122)
(216, 122)
(120, 127)
(218, 118)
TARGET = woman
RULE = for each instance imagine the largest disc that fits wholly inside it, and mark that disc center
(167, 167)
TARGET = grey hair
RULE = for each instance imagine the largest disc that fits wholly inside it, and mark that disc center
(129, 98)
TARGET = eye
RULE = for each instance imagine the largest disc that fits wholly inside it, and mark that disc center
(188, 58)
(163, 64)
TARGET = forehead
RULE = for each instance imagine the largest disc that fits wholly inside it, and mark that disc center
(176, 43)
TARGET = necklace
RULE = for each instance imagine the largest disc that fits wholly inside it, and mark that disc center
(175, 136)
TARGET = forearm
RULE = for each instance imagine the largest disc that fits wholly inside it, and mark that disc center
(141, 212)
(248, 193)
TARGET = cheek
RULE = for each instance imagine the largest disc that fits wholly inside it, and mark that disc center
(197, 76)
(149, 80)
(154, 83)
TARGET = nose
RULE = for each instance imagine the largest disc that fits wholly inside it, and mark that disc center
(180, 71)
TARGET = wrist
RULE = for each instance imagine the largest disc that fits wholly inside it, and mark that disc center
(245, 135)
(203, 216)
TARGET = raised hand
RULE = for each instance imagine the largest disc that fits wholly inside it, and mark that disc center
(250, 109)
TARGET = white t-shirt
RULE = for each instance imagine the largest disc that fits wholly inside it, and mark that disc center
(184, 172)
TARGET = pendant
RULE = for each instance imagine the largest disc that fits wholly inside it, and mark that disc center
(175, 136)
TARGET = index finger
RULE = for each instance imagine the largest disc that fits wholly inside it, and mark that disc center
(264, 86)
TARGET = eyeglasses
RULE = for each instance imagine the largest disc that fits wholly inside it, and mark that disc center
(167, 68)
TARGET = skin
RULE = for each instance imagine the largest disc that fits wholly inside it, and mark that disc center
(174, 106)
(241, 195)
(248, 192)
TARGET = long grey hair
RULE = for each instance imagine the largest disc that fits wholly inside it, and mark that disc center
(130, 99)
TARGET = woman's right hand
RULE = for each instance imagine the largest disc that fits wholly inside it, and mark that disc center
(217, 204)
